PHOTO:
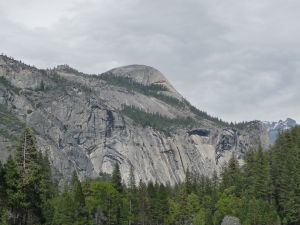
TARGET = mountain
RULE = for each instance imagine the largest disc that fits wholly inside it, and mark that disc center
(130, 115)
(274, 128)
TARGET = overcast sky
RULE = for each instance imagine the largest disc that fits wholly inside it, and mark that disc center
(236, 59)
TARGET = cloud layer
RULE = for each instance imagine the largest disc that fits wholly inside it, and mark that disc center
(239, 60)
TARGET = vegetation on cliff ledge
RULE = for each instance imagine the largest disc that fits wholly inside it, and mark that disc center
(155, 120)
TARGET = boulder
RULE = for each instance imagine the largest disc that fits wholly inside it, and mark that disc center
(230, 220)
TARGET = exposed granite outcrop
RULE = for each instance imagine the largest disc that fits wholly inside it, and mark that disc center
(77, 120)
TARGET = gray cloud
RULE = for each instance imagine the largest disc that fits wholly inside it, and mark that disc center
(238, 60)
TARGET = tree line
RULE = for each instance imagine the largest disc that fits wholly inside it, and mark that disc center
(155, 120)
(263, 191)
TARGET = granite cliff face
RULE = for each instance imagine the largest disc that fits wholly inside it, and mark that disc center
(80, 121)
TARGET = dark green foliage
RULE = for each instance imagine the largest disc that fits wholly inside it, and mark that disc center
(132, 199)
(116, 178)
(143, 203)
(257, 211)
(156, 121)
(63, 210)
(231, 175)
(78, 198)
(105, 177)
(285, 171)
(188, 182)
(27, 183)
(30, 166)
(12, 178)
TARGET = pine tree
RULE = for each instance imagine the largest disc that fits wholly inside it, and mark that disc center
(15, 196)
(27, 155)
(30, 170)
(188, 182)
(285, 175)
(262, 181)
(215, 180)
(116, 178)
(2, 187)
(153, 203)
(63, 209)
(183, 215)
(132, 184)
(78, 199)
(231, 175)
(77, 191)
(163, 205)
(250, 174)
(143, 203)
(132, 198)
(48, 189)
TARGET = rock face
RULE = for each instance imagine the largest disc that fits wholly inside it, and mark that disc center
(274, 128)
(229, 220)
(78, 119)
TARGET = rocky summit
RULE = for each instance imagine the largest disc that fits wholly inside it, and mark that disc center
(274, 128)
(130, 115)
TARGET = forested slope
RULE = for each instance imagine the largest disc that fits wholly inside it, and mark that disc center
(264, 191)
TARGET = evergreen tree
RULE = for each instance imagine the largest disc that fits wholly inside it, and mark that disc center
(27, 159)
(188, 182)
(15, 196)
(285, 175)
(163, 205)
(250, 172)
(48, 189)
(2, 187)
(78, 200)
(231, 175)
(64, 213)
(132, 198)
(143, 203)
(183, 215)
(153, 212)
(116, 178)
(262, 181)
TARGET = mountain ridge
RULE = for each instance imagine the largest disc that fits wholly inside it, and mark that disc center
(274, 128)
(80, 121)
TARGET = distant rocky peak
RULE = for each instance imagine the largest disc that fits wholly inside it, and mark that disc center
(274, 128)
(13, 64)
(281, 124)
(145, 75)
(66, 68)
(290, 122)
(6, 58)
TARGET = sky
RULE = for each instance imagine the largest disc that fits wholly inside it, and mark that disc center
(236, 59)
